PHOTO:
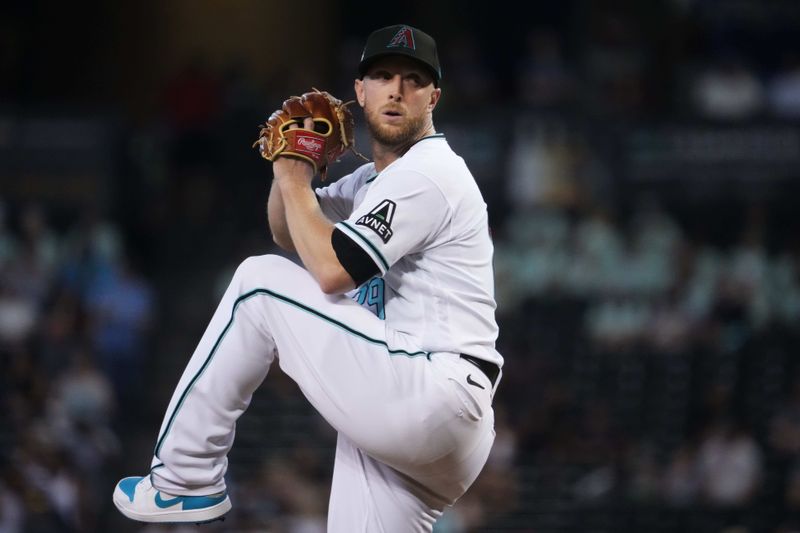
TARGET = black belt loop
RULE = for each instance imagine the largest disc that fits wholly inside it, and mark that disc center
(490, 369)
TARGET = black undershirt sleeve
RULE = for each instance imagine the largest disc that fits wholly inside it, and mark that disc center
(353, 258)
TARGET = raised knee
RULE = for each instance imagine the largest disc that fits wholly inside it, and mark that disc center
(261, 267)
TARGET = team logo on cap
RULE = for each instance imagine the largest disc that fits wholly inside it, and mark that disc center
(404, 37)
(379, 220)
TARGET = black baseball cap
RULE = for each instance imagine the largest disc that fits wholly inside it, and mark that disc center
(403, 40)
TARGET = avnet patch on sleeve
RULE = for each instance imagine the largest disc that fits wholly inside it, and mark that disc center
(402, 211)
(379, 220)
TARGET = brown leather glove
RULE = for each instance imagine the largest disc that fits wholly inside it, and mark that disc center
(331, 137)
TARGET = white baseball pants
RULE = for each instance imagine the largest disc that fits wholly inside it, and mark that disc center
(413, 435)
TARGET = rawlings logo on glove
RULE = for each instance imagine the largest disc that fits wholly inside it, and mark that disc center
(331, 137)
(311, 145)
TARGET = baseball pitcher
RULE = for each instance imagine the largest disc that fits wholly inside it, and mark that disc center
(389, 330)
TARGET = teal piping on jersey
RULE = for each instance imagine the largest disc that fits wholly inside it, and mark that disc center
(370, 180)
(371, 246)
(285, 299)
(434, 136)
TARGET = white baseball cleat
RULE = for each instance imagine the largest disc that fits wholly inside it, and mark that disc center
(136, 498)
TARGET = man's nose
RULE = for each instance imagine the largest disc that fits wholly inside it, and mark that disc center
(397, 88)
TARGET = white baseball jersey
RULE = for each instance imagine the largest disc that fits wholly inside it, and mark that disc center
(424, 223)
(414, 417)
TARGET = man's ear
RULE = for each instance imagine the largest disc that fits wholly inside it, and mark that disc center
(435, 95)
(359, 88)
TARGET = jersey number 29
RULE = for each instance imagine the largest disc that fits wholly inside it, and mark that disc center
(370, 295)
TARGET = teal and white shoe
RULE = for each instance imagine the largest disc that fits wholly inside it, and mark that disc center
(136, 498)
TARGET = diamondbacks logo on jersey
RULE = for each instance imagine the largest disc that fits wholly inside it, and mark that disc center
(379, 220)
(404, 37)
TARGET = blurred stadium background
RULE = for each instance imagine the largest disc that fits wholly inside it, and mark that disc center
(641, 163)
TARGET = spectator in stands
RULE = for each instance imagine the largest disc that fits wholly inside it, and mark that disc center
(783, 89)
(654, 248)
(18, 314)
(681, 482)
(91, 248)
(748, 268)
(25, 275)
(784, 427)
(120, 312)
(32, 266)
(599, 247)
(644, 476)
(81, 404)
(544, 79)
(730, 464)
(541, 165)
(784, 439)
(50, 480)
(12, 510)
(670, 327)
(726, 89)
(468, 72)
(193, 99)
(8, 241)
(80, 409)
(614, 62)
(39, 238)
(784, 288)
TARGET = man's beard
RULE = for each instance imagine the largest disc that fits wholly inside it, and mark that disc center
(392, 136)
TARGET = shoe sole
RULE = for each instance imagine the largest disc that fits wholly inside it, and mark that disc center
(193, 516)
